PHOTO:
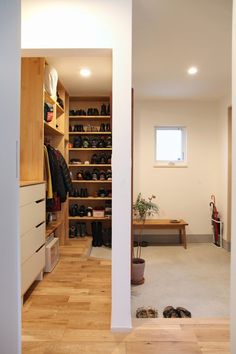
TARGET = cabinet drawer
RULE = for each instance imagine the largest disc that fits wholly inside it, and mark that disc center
(31, 215)
(30, 194)
(31, 268)
(32, 241)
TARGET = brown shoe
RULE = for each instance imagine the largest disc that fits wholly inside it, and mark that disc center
(183, 312)
(168, 311)
(141, 312)
(152, 312)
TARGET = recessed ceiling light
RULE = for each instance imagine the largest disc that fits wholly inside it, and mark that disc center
(85, 72)
(192, 70)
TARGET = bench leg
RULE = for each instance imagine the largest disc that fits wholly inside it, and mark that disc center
(184, 238)
(180, 236)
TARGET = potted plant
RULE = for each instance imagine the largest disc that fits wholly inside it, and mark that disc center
(142, 208)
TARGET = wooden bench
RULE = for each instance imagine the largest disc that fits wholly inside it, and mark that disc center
(164, 224)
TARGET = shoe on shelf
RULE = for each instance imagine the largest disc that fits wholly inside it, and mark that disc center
(94, 159)
(103, 110)
(102, 127)
(82, 211)
(73, 210)
(80, 175)
(87, 175)
(109, 175)
(102, 175)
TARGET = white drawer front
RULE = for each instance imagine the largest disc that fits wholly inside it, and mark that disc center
(31, 215)
(32, 241)
(30, 194)
(31, 268)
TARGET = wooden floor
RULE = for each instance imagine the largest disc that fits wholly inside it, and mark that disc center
(69, 312)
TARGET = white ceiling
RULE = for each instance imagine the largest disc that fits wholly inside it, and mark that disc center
(100, 64)
(171, 35)
(168, 37)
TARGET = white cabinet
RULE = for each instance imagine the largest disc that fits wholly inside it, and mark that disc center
(32, 233)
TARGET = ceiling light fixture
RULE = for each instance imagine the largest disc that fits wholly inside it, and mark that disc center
(85, 72)
(192, 70)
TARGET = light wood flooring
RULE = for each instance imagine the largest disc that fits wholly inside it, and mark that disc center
(69, 312)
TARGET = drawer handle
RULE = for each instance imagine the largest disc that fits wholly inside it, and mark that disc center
(40, 224)
(39, 201)
(39, 248)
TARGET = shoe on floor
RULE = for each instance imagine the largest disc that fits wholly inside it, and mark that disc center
(141, 312)
(152, 312)
(182, 312)
(168, 311)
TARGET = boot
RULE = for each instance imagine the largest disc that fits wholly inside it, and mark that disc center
(106, 238)
(83, 230)
(103, 110)
(99, 233)
(94, 234)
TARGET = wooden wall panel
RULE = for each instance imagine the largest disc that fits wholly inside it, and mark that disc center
(31, 127)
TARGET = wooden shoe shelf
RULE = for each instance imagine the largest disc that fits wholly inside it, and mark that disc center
(85, 154)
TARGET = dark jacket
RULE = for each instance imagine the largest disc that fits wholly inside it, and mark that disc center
(61, 181)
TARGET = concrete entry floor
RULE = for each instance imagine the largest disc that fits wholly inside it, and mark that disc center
(197, 278)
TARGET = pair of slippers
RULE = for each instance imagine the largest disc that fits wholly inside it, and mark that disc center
(179, 312)
(146, 312)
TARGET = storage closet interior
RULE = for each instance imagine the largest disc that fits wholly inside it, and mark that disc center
(65, 159)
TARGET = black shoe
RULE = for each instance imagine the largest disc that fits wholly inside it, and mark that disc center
(83, 230)
(82, 211)
(108, 127)
(102, 193)
(74, 210)
(108, 109)
(103, 110)
(94, 234)
(102, 127)
(94, 159)
(72, 231)
(106, 237)
(182, 312)
(99, 233)
(87, 175)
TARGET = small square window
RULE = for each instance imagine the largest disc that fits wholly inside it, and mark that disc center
(170, 146)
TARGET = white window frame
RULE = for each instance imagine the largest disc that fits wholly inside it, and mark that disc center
(170, 163)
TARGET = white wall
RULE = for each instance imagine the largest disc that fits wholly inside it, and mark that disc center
(222, 201)
(233, 222)
(10, 305)
(181, 192)
(98, 24)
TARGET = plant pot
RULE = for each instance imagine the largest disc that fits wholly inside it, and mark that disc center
(137, 271)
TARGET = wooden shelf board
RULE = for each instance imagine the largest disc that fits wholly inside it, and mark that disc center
(89, 133)
(90, 117)
(90, 198)
(88, 149)
(89, 181)
(88, 165)
(48, 98)
(87, 218)
(48, 129)
(51, 227)
(60, 110)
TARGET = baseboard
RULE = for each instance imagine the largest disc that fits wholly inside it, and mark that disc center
(227, 245)
(174, 239)
(121, 329)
